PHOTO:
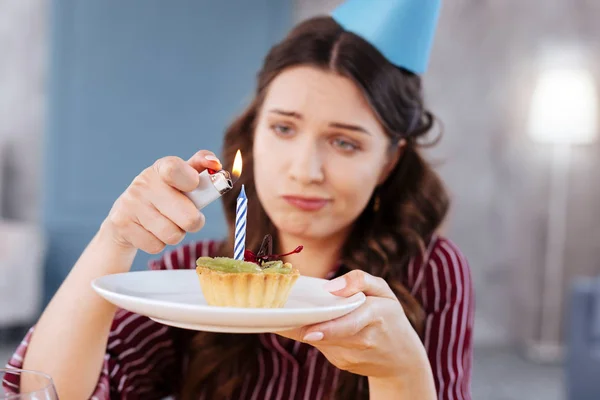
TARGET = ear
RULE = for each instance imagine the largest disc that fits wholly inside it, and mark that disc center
(393, 157)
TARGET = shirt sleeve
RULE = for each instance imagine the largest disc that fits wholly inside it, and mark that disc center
(444, 288)
(140, 360)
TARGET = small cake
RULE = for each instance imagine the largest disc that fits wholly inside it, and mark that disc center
(261, 280)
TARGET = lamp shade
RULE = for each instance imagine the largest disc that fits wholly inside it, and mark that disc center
(564, 107)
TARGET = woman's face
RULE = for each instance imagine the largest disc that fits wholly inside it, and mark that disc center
(319, 153)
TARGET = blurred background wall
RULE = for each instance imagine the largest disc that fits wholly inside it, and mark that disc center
(175, 74)
(155, 80)
(23, 55)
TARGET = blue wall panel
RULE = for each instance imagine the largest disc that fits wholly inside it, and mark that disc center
(132, 81)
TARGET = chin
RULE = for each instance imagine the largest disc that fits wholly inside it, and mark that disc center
(302, 225)
(306, 230)
(294, 228)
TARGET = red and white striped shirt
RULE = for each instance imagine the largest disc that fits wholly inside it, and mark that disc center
(144, 359)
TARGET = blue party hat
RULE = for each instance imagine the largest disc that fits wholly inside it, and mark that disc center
(402, 30)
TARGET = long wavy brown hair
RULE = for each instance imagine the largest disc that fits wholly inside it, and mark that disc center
(412, 201)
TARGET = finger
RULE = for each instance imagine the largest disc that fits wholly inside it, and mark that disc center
(159, 225)
(294, 334)
(347, 327)
(141, 239)
(337, 329)
(204, 159)
(178, 208)
(177, 173)
(359, 281)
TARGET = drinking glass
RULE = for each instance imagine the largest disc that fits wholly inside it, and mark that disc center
(41, 385)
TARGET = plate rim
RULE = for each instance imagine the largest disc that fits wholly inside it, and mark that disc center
(225, 328)
(356, 299)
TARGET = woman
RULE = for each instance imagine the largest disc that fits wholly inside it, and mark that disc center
(332, 163)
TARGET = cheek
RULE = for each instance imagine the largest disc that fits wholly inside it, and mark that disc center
(354, 185)
(260, 149)
(267, 168)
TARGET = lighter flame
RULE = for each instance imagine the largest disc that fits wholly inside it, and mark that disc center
(237, 165)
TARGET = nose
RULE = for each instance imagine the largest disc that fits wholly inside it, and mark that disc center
(306, 164)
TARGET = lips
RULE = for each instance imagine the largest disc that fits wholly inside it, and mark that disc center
(307, 203)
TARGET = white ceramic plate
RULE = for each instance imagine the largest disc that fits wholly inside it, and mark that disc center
(174, 297)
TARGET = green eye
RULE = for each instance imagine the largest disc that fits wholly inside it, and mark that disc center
(283, 130)
(345, 145)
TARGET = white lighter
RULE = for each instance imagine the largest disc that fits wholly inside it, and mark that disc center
(213, 184)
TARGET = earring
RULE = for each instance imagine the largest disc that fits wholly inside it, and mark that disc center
(376, 203)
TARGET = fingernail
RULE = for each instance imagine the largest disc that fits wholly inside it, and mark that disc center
(335, 285)
(212, 158)
(313, 337)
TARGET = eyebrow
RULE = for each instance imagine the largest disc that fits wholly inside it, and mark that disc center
(286, 113)
(338, 125)
(348, 127)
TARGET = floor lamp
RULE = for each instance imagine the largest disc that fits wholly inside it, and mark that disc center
(564, 112)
